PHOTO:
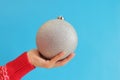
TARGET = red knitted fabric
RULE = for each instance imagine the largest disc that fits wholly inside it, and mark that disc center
(3, 73)
(16, 69)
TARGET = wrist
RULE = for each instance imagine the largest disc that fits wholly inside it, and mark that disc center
(30, 58)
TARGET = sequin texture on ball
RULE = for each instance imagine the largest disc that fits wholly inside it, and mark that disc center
(55, 36)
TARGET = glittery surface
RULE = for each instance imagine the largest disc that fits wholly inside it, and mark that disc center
(56, 36)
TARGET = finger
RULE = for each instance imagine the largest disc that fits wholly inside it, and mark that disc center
(65, 61)
(68, 58)
(57, 57)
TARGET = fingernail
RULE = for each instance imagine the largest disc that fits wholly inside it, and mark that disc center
(62, 53)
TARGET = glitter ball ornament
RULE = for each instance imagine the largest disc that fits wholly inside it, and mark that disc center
(55, 36)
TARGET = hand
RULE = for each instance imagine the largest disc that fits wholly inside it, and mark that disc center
(36, 60)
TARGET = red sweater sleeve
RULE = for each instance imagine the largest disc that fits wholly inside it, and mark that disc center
(19, 67)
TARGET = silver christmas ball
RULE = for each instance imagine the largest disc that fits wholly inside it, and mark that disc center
(55, 36)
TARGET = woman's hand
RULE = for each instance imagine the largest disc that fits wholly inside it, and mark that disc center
(36, 60)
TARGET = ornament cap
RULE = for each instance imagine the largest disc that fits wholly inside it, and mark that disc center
(60, 17)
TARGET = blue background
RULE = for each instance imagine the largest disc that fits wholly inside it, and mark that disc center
(97, 23)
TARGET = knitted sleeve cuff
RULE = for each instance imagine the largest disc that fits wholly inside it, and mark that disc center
(19, 67)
